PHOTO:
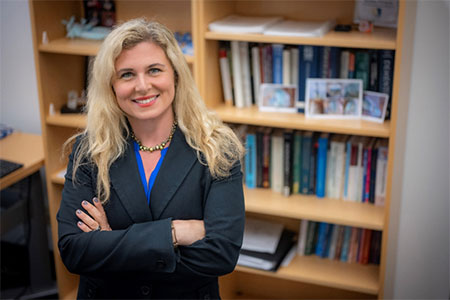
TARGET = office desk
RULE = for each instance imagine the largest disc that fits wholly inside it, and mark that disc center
(27, 149)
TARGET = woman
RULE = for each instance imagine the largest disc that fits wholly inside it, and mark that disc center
(152, 205)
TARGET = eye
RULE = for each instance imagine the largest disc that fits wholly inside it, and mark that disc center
(126, 75)
(154, 71)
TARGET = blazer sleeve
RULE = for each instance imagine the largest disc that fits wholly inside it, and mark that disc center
(122, 250)
(224, 217)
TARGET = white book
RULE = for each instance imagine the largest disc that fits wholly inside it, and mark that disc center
(345, 59)
(339, 169)
(243, 24)
(286, 66)
(302, 237)
(381, 173)
(300, 28)
(237, 79)
(294, 66)
(256, 70)
(245, 71)
(276, 162)
(330, 179)
(226, 77)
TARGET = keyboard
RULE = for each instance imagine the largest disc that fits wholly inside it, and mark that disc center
(7, 167)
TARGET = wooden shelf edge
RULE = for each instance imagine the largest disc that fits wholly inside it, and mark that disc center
(56, 178)
(361, 215)
(67, 120)
(381, 38)
(323, 271)
(252, 116)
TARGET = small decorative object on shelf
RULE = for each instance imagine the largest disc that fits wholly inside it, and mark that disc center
(85, 30)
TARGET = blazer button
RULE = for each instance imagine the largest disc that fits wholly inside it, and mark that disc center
(160, 264)
(145, 290)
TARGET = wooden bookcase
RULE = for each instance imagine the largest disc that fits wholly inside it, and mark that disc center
(60, 67)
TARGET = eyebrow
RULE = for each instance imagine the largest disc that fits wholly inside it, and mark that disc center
(148, 67)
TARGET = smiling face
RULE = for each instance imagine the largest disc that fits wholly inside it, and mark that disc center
(144, 83)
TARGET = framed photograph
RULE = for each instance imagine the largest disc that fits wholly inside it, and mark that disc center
(333, 98)
(277, 97)
(374, 106)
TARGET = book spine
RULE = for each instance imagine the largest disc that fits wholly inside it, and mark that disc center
(366, 246)
(331, 164)
(276, 163)
(237, 78)
(348, 155)
(286, 67)
(373, 175)
(311, 237)
(333, 242)
(339, 170)
(380, 184)
(277, 63)
(308, 67)
(259, 158)
(312, 165)
(294, 66)
(321, 238)
(362, 67)
(250, 162)
(373, 67)
(339, 242)
(226, 77)
(334, 63)
(287, 182)
(266, 160)
(245, 69)
(256, 72)
(306, 156)
(321, 165)
(351, 65)
(296, 170)
(386, 75)
(346, 243)
(368, 175)
(303, 232)
(345, 57)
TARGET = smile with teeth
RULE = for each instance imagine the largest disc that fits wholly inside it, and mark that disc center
(145, 100)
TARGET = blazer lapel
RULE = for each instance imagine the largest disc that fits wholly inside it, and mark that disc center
(179, 159)
(126, 181)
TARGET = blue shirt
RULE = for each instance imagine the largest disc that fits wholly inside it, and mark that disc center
(148, 185)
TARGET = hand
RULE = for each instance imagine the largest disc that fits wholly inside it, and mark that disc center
(95, 220)
(188, 231)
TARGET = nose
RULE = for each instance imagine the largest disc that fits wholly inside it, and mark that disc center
(142, 84)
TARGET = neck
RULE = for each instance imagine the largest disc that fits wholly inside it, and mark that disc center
(152, 132)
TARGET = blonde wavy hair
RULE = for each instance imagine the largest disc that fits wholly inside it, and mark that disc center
(104, 139)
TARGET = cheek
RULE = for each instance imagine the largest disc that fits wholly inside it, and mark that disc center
(122, 91)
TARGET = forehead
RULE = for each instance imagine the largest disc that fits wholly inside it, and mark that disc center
(142, 53)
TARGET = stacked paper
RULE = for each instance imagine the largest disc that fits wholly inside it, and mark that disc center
(242, 24)
(299, 28)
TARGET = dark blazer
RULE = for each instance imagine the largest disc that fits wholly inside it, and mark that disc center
(137, 258)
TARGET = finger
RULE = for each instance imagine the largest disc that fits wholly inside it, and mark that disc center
(87, 220)
(92, 210)
(83, 226)
(98, 205)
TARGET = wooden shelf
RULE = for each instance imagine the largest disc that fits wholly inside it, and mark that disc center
(323, 271)
(80, 47)
(56, 178)
(363, 215)
(67, 120)
(381, 38)
(252, 116)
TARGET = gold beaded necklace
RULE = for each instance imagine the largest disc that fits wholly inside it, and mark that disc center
(157, 147)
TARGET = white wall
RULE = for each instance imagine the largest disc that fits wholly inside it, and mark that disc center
(19, 104)
(418, 252)
(418, 248)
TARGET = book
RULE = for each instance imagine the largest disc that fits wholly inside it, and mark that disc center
(333, 241)
(276, 162)
(268, 261)
(313, 164)
(266, 158)
(259, 157)
(245, 71)
(256, 71)
(308, 68)
(242, 24)
(339, 242)
(346, 243)
(321, 238)
(303, 232)
(287, 66)
(277, 63)
(381, 173)
(250, 160)
(226, 77)
(373, 70)
(386, 75)
(294, 66)
(305, 161)
(362, 67)
(345, 58)
(311, 238)
(297, 159)
(288, 136)
(375, 247)
(300, 28)
(238, 89)
(321, 164)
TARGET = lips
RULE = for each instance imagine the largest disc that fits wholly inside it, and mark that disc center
(145, 101)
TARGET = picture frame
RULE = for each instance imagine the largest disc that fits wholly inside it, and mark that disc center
(374, 106)
(278, 98)
(333, 98)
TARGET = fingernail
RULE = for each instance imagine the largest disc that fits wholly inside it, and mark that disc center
(84, 202)
(80, 223)
(95, 199)
(78, 211)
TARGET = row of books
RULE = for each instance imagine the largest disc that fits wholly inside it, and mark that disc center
(352, 168)
(245, 66)
(339, 242)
